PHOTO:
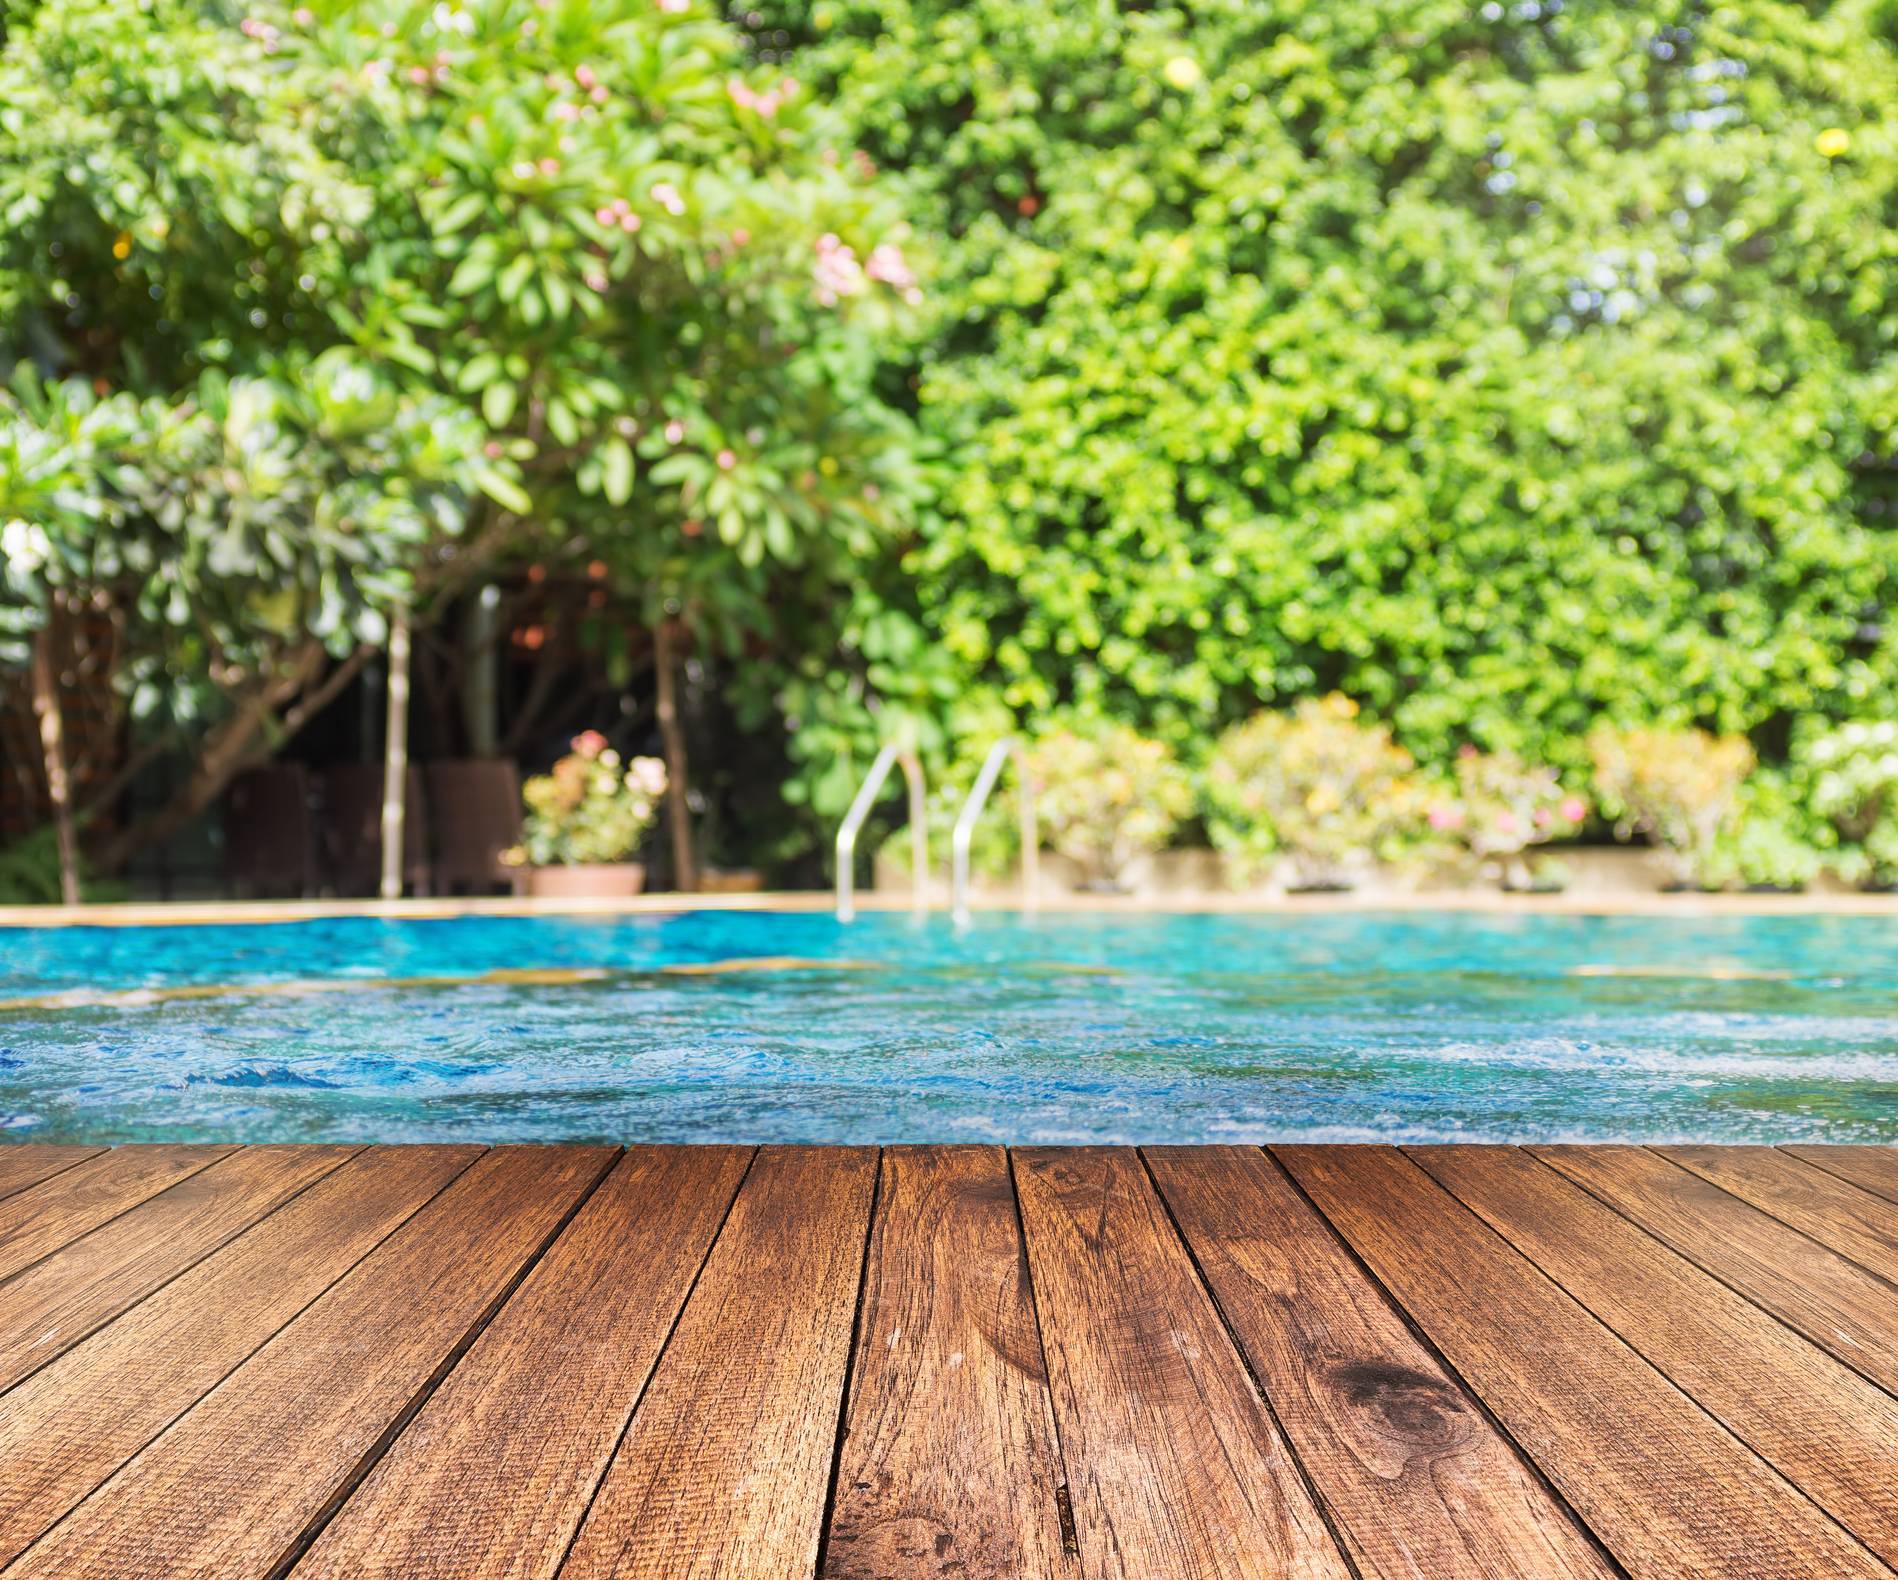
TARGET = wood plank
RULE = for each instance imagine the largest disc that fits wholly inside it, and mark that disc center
(1418, 1480)
(55, 1212)
(492, 1477)
(232, 1486)
(1819, 1423)
(724, 1469)
(1175, 1468)
(74, 1422)
(1669, 1490)
(28, 1162)
(949, 1464)
(1832, 1301)
(55, 1303)
(1853, 1222)
(1870, 1168)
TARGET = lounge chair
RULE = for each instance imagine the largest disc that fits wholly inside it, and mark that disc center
(349, 830)
(475, 813)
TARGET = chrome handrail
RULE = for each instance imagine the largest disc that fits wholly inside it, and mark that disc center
(918, 830)
(1008, 746)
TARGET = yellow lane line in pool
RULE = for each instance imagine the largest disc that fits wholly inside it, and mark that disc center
(1684, 973)
(506, 976)
(509, 976)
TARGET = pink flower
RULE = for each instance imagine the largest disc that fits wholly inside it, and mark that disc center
(1542, 818)
(740, 236)
(1506, 822)
(886, 263)
(604, 216)
(589, 743)
(598, 282)
(550, 167)
(492, 450)
(666, 195)
(1445, 817)
(1466, 751)
(419, 76)
(303, 16)
(629, 223)
(675, 431)
(1573, 809)
(673, 7)
(597, 93)
(584, 75)
(727, 459)
(566, 110)
(837, 271)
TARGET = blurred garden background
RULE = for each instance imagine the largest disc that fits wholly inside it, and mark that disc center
(1409, 431)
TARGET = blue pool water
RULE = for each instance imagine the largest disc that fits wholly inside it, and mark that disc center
(1071, 1028)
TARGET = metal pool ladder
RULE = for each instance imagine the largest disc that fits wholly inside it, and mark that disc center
(1008, 746)
(918, 830)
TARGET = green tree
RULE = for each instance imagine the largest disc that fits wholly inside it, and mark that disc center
(402, 289)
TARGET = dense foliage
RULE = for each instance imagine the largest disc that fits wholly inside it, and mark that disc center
(1507, 368)
(373, 294)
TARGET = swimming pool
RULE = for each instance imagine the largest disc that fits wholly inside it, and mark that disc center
(750, 1026)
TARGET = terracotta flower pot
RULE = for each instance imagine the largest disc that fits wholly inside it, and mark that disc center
(596, 880)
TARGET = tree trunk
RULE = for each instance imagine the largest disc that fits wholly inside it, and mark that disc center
(685, 875)
(395, 758)
(53, 752)
(247, 737)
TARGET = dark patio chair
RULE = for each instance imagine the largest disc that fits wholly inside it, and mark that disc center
(349, 830)
(475, 812)
(270, 833)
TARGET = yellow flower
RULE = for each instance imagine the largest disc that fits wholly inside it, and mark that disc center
(1834, 142)
(122, 248)
(1181, 72)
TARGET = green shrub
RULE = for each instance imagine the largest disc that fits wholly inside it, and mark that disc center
(1318, 784)
(1772, 841)
(1853, 772)
(1108, 796)
(1679, 787)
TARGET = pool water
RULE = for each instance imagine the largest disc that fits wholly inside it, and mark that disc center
(750, 1026)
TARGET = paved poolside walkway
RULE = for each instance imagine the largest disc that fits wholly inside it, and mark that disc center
(955, 1362)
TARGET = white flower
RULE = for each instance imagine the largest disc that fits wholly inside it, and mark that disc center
(25, 546)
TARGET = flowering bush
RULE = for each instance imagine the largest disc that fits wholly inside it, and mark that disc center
(1318, 784)
(1502, 807)
(590, 808)
(1854, 785)
(1679, 787)
(1108, 796)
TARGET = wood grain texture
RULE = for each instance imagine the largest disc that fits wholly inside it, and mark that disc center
(726, 1465)
(1855, 1223)
(55, 1303)
(1670, 1491)
(1833, 1301)
(40, 1219)
(492, 1477)
(74, 1422)
(27, 1163)
(949, 1465)
(230, 1487)
(1175, 1469)
(1819, 1423)
(1418, 1480)
(1870, 1168)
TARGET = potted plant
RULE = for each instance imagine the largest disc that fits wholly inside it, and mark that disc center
(1108, 797)
(1316, 785)
(1503, 807)
(585, 821)
(1679, 787)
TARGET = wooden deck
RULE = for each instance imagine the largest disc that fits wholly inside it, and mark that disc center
(948, 1362)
